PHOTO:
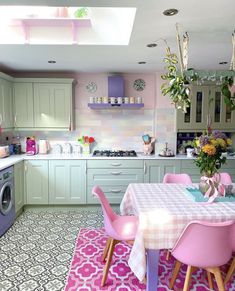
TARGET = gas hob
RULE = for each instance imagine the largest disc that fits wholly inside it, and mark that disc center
(109, 153)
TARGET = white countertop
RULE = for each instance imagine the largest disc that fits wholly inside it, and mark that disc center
(9, 161)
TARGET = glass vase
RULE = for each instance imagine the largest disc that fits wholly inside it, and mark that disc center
(209, 183)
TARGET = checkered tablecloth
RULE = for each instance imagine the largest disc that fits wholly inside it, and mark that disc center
(164, 210)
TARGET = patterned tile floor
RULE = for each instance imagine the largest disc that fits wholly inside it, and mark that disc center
(36, 251)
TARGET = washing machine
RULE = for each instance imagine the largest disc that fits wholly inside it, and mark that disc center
(7, 203)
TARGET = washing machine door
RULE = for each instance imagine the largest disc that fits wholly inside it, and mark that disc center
(6, 198)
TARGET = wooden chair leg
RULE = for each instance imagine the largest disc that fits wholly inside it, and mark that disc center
(175, 273)
(210, 280)
(106, 249)
(230, 272)
(187, 279)
(108, 261)
(168, 255)
(218, 277)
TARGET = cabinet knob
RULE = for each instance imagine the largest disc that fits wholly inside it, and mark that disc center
(116, 173)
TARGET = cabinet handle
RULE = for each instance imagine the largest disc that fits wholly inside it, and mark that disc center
(116, 165)
(69, 122)
(25, 168)
(144, 167)
(115, 190)
(115, 173)
(0, 119)
(15, 121)
(85, 167)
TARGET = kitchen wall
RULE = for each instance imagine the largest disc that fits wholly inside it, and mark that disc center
(118, 128)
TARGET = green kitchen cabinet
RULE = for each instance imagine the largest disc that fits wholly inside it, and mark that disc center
(52, 105)
(113, 176)
(36, 180)
(19, 186)
(23, 105)
(67, 182)
(154, 170)
(195, 119)
(6, 104)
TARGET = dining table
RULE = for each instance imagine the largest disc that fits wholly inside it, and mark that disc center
(164, 210)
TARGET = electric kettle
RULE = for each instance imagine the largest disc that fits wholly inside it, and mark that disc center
(43, 146)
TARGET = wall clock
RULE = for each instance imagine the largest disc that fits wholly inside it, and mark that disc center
(139, 84)
(91, 87)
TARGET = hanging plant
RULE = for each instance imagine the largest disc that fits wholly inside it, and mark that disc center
(225, 87)
(177, 86)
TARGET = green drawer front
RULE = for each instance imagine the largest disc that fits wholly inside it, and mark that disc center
(114, 164)
(113, 177)
(114, 194)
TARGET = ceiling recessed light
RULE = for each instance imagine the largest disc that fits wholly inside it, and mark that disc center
(151, 45)
(51, 62)
(223, 63)
(141, 63)
(170, 12)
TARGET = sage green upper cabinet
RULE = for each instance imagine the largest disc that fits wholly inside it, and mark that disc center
(52, 104)
(6, 103)
(222, 116)
(154, 170)
(196, 116)
(195, 119)
(43, 103)
(67, 183)
(23, 105)
(36, 177)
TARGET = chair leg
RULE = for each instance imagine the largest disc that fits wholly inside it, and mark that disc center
(175, 274)
(218, 277)
(106, 249)
(113, 242)
(210, 280)
(230, 272)
(168, 255)
(187, 279)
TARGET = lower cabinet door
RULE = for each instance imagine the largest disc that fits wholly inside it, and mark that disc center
(19, 185)
(37, 182)
(67, 183)
(155, 170)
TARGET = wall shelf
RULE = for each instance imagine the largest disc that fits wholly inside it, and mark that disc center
(115, 106)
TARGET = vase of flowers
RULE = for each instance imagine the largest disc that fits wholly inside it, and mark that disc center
(210, 146)
(86, 142)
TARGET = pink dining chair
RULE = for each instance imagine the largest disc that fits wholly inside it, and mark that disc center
(225, 179)
(119, 228)
(205, 245)
(177, 178)
(232, 266)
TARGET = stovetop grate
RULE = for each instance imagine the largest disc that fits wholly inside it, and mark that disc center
(109, 153)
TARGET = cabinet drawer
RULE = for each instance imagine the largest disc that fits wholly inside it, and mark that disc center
(114, 194)
(115, 177)
(113, 164)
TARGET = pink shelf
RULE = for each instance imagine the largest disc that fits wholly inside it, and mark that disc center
(115, 106)
(83, 22)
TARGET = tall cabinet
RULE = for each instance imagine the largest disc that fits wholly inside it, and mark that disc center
(195, 119)
(6, 102)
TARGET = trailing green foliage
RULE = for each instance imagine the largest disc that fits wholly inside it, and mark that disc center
(229, 98)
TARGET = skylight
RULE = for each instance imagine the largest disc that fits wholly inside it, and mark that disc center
(66, 25)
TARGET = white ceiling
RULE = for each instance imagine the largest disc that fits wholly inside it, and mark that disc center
(208, 23)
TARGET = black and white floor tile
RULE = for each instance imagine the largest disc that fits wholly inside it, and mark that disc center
(36, 251)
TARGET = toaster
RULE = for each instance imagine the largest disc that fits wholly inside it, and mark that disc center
(4, 151)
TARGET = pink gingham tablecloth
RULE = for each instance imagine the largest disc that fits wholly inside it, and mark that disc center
(164, 210)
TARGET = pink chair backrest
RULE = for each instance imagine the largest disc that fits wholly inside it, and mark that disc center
(109, 214)
(205, 244)
(177, 178)
(225, 178)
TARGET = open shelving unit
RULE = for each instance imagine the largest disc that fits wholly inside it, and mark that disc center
(115, 106)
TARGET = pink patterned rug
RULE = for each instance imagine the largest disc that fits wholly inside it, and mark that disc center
(87, 268)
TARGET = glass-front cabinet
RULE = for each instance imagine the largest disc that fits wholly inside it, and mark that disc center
(196, 116)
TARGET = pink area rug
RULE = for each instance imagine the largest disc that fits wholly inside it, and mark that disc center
(87, 268)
